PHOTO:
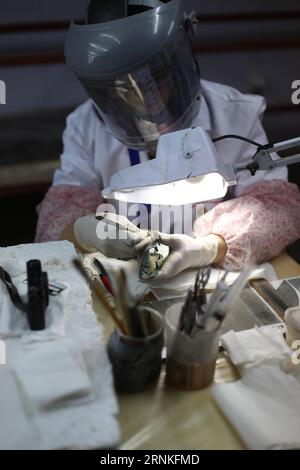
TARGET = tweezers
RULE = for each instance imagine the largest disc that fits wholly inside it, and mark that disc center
(12, 291)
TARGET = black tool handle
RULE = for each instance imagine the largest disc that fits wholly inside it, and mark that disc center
(37, 295)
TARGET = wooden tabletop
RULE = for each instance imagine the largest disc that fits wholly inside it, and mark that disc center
(164, 418)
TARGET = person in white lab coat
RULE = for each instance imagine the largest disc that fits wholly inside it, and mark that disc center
(120, 124)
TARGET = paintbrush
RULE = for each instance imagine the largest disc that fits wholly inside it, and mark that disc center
(120, 282)
(131, 314)
(103, 276)
(137, 321)
(95, 284)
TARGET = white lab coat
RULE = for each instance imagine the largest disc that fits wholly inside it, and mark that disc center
(92, 154)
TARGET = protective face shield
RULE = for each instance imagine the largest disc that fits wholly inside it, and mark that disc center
(135, 61)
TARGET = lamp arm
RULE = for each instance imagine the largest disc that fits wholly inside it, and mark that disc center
(262, 160)
(286, 161)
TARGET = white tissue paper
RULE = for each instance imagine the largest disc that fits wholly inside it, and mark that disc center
(255, 346)
(264, 407)
(62, 373)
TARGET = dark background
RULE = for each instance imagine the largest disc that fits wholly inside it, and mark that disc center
(251, 45)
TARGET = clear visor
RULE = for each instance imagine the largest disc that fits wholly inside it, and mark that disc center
(160, 97)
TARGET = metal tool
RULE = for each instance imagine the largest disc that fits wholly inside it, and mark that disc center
(38, 294)
(222, 298)
(195, 300)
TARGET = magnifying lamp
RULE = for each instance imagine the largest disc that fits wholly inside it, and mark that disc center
(187, 169)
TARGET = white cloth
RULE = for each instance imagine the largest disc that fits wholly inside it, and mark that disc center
(175, 287)
(258, 345)
(16, 429)
(292, 321)
(264, 407)
(62, 420)
(51, 376)
(13, 322)
(92, 154)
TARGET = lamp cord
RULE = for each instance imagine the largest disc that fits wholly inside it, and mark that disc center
(238, 137)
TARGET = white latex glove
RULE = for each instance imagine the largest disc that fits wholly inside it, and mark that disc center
(113, 235)
(186, 252)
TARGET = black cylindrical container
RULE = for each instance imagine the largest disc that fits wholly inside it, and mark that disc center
(136, 362)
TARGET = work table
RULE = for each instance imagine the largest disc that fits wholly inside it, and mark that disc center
(165, 418)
